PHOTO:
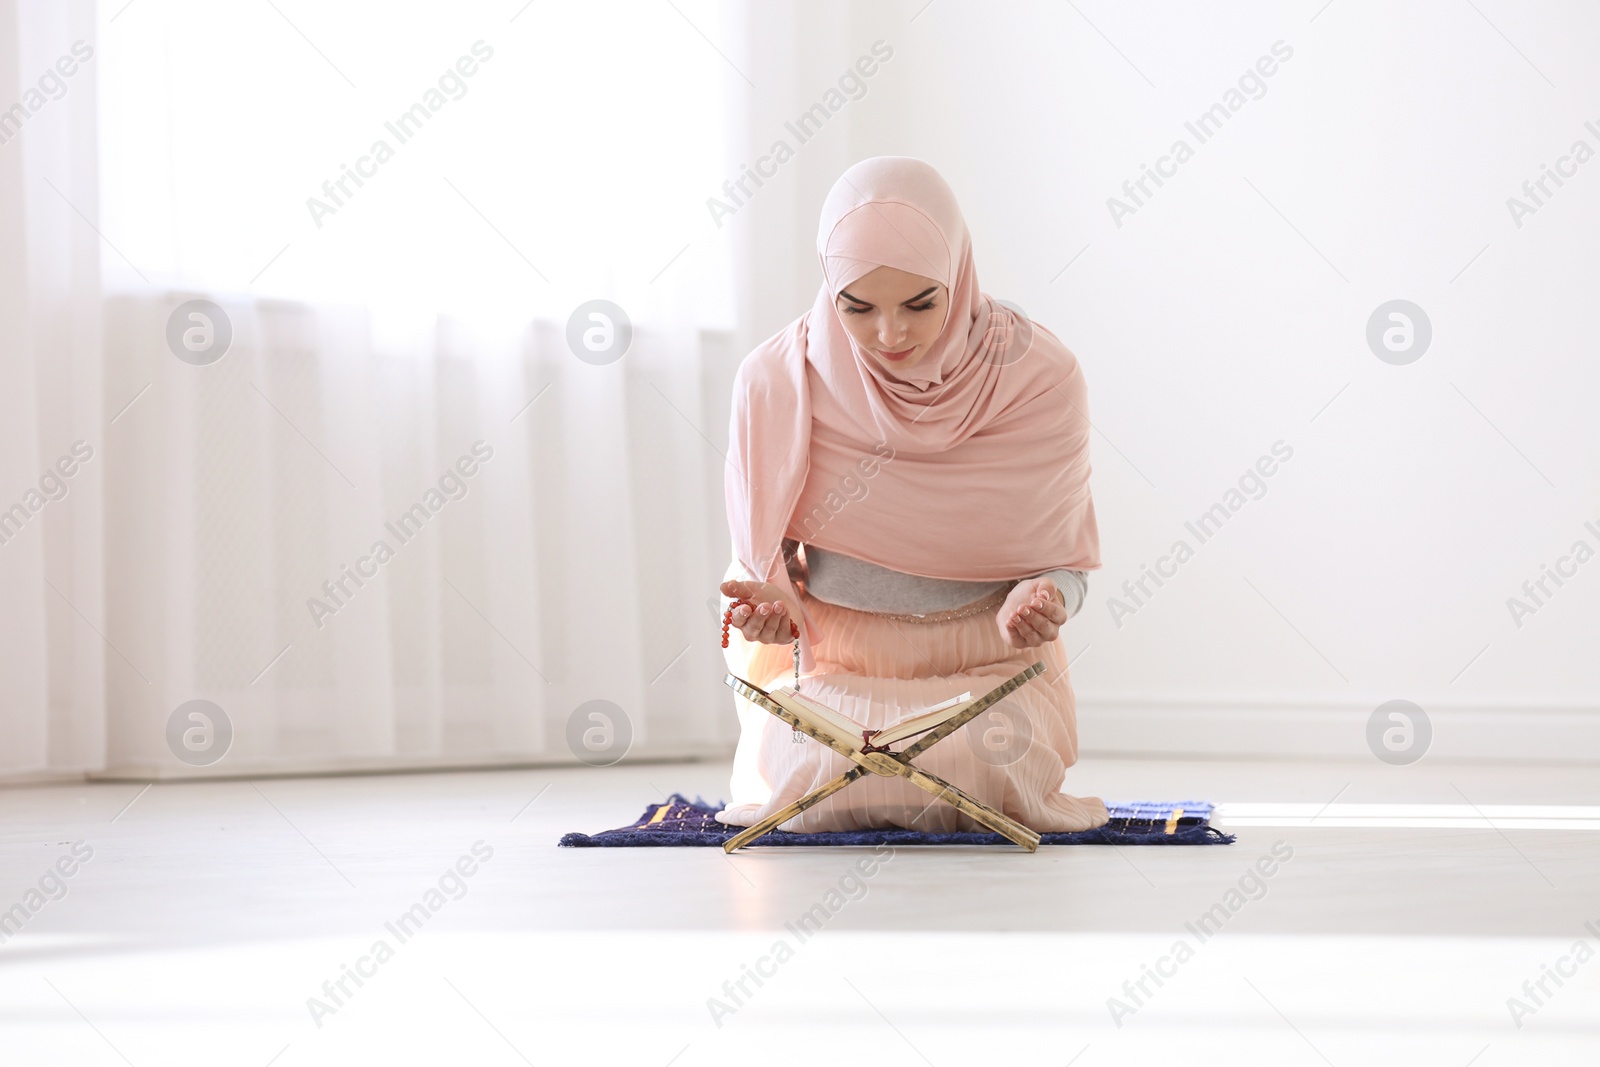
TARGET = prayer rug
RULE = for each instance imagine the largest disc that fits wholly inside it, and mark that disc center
(681, 822)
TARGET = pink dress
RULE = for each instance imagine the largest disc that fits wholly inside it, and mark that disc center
(878, 669)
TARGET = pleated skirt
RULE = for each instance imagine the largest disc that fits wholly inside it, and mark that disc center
(879, 669)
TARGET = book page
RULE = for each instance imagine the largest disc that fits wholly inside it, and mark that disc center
(926, 719)
(814, 712)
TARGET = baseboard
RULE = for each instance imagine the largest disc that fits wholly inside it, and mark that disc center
(1168, 727)
(303, 768)
(1131, 728)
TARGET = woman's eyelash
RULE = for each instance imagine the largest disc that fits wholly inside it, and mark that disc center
(914, 307)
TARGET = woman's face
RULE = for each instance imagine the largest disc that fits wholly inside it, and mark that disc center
(893, 316)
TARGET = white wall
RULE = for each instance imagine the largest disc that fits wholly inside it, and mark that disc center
(1229, 312)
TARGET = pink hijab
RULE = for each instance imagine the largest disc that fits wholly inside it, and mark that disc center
(972, 464)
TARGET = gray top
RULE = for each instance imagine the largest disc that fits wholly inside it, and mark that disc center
(855, 583)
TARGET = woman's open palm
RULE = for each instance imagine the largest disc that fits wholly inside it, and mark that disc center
(1032, 614)
(766, 618)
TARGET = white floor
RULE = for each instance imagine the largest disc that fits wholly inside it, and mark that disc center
(210, 914)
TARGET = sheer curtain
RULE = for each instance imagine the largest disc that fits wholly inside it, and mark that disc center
(387, 354)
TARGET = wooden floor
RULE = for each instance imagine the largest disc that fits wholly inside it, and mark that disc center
(214, 923)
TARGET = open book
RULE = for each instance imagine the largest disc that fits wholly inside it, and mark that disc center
(814, 712)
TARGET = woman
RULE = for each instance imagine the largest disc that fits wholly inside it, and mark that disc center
(907, 482)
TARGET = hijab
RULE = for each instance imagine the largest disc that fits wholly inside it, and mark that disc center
(970, 464)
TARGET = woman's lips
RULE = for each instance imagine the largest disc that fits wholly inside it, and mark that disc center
(897, 355)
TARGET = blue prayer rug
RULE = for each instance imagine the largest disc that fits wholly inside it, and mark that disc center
(681, 822)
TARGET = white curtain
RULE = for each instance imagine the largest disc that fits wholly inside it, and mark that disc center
(404, 354)
(53, 665)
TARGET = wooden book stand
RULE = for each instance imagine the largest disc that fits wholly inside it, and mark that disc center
(869, 758)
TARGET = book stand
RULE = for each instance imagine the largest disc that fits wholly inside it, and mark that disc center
(870, 759)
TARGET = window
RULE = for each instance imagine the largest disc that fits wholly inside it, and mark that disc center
(484, 160)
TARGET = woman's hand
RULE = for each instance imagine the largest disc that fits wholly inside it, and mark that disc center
(1032, 614)
(766, 619)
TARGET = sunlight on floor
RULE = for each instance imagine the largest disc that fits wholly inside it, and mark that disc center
(1378, 816)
